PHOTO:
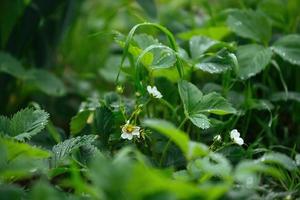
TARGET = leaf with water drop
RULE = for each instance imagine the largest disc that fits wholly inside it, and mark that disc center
(250, 24)
(222, 61)
(252, 59)
(288, 48)
(196, 105)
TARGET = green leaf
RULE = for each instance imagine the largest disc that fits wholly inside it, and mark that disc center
(197, 150)
(63, 149)
(189, 148)
(199, 45)
(46, 82)
(12, 66)
(195, 104)
(216, 104)
(190, 95)
(199, 120)
(247, 172)
(4, 124)
(79, 121)
(279, 158)
(15, 149)
(24, 124)
(151, 53)
(216, 32)
(288, 48)
(218, 63)
(214, 164)
(276, 11)
(252, 59)
(170, 131)
(162, 56)
(250, 24)
(41, 79)
(103, 123)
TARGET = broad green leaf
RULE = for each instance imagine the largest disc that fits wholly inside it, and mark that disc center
(79, 121)
(279, 158)
(199, 120)
(216, 32)
(214, 164)
(197, 150)
(276, 11)
(288, 48)
(63, 149)
(216, 104)
(162, 56)
(189, 148)
(158, 181)
(12, 66)
(218, 63)
(252, 59)
(154, 54)
(41, 79)
(195, 104)
(247, 172)
(14, 149)
(103, 123)
(46, 82)
(170, 131)
(250, 24)
(190, 95)
(24, 124)
(199, 45)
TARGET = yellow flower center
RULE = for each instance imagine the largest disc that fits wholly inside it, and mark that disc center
(129, 128)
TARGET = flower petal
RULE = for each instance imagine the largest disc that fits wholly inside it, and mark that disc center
(149, 89)
(239, 141)
(129, 136)
(124, 135)
(234, 134)
(136, 132)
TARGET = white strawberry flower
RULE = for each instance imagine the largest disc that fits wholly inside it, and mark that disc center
(129, 131)
(154, 92)
(235, 136)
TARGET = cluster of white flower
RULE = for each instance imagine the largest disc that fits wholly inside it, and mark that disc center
(129, 131)
(235, 136)
(154, 92)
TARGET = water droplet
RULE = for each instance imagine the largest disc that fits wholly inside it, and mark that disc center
(238, 23)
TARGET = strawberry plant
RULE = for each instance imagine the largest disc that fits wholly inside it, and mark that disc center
(150, 99)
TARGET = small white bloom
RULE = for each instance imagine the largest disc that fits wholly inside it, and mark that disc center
(235, 136)
(154, 92)
(217, 138)
(129, 130)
